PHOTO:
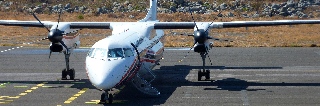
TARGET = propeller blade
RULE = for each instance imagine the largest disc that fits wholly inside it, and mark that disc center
(34, 15)
(50, 54)
(59, 19)
(65, 46)
(222, 40)
(193, 19)
(187, 53)
(213, 21)
(45, 38)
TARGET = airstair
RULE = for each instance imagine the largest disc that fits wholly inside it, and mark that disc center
(144, 85)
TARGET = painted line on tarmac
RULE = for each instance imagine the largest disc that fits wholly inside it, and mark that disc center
(93, 102)
(20, 86)
(9, 99)
(75, 96)
(244, 98)
(78, 82)
(11, 49)
(3, 85)
(114, 102)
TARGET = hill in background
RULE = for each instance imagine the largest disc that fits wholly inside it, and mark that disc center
(170, 10)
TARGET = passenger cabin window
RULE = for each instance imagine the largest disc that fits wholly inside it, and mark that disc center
(116, 52)
(128, 52)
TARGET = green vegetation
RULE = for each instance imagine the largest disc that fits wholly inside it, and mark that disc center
(80, 17)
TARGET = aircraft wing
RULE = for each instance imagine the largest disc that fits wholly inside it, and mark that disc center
(73, 25)
(232, 24)
(25, 23)
(160, 25)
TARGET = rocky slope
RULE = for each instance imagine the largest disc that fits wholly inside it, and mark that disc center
(241, 8)
(170, 10)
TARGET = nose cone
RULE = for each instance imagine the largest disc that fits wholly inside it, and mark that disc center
(106, 74)
(99, 74)
(101, 81)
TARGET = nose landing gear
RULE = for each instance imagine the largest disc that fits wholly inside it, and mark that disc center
(107, 95)
(203, 72)
(67, 71)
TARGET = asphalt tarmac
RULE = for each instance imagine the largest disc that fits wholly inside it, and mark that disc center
(239, 76)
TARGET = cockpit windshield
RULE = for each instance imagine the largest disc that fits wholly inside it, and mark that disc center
(97, 53)
(110, 53)
(116, 52)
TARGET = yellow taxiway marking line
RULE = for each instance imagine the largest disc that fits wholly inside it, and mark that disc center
(33, 88)
(28, 91)
(93, 102)
(22, 94)
(20, 86)
(114, 102)
(9, 99)
(75, 96)
(14, 97)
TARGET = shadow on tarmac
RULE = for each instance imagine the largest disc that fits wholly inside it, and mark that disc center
(169, 78)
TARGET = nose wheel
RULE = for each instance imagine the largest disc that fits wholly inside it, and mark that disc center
(106, 96)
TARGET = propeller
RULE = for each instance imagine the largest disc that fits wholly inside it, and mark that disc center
(200, 35)
(55, 35)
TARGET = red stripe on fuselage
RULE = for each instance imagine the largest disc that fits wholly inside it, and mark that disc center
(127, 73)
(70, 37)
(149, 60)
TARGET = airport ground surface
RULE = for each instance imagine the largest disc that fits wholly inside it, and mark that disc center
(240, 76)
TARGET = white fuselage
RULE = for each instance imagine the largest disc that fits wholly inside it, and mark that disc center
(113, 60)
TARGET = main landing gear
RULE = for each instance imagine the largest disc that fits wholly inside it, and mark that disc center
(67, 71)
(203, 72)
(107, 95)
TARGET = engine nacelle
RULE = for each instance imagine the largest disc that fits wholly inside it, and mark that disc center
(56, 47)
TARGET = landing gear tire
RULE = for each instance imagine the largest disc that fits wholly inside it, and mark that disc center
(207, 75)
(199, 75)
(103, 98)
(70, 72)
(64, 74)
(110, 99)
(106, 96)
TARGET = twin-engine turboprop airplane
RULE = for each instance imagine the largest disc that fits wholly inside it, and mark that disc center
(133, 49)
